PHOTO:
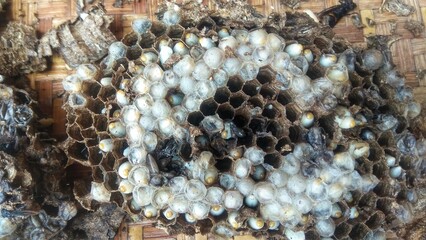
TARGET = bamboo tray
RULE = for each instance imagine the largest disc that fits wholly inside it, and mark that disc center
(409, 54)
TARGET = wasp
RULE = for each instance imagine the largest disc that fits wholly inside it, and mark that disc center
(332, 15)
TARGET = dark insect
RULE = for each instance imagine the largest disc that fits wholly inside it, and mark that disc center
(332, 15)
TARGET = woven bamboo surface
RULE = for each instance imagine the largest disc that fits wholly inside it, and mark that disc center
(409, 54)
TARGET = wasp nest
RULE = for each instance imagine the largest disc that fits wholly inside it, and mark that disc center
(18, 50)
(83, 40)
(276, 131)
(34, 203)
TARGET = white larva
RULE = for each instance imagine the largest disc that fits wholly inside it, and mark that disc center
(307, 119)
(139, 176)
(125, 187)
(150, 211)
(327, 60)
(294, 49)
(255, 223)
(124, 169)
(106, 145)
(117, 129)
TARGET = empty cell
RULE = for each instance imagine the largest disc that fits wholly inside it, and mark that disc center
(266, 75)
(133, 52)
(224, 165)
(74, 132)
(222, 95)
(95, 155)
(274, 159)
(78, 151)
(108, 162)
(118, 198)
(226, 111)
(158, 28)
(96, 106)
(130, 39)
(252, 87)
(284, 97)
(101, 123)
(195, 118)
(235, 84)
(91, 88)
(238, 99)
(268, 91)
(209, 107)
(266, 143)
(111, 181)
(175, 32)
(98, 174)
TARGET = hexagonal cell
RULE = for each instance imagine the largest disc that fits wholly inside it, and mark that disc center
(274, 159)
(74, 132)
(119, 146)
(284, 145)
(175, 32)
(89, 133)
(384, 189)
(359, 231)
(158, 28)
(78, 151)
(108, 162)
(376, 220)
(208, 107)
(238, 99)
(252, 87)
(195, 118)
(385, 205)
(226, 111)
(256, 101)
(376, 152)
(224, 164)
(295, 133)
(95, 155)
(118, 198)
(248, 140)
(81, 188)
(98, 174)
(197, 52)
(206, 24)
(222, 95)
(266, 143)
(284, 97)
(380, 170)
(91, 88)
(367, 200)
(386, 139)
(235, 84)
(121, 63)
(84, 119)
(273, 110)
(315, 71)
(107, 93)
(342, 230)
(266, 75)
(258, 125)
(242, 117)
(133, 52)
(111, 181)
(112, 108)
(100, 123)
(130, 39)
(277, 128)
(293, 112)
(312, 234)
(364, 165)
(96, 106)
